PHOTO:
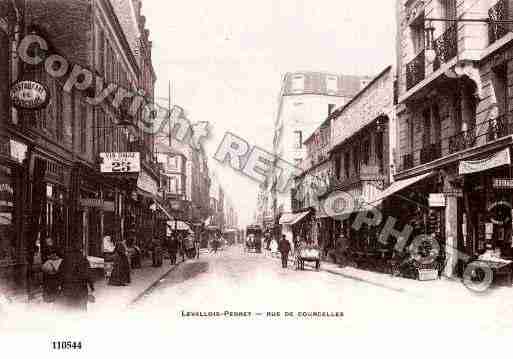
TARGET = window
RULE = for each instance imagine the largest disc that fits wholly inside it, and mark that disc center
(379, 150)
(297, 162)
(338, 163)
(356, 158)
(101, 52)
(298, 83)
(500, 85)
(366, 152)
(83, 128)
(331, 84)
(347, 160)
(426, 134)
(418, 35)
(59, 125)
(448, 11)
(411, 133)
(298, 139)
(7, 219)
(331, 106)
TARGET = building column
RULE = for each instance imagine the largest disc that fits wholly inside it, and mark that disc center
(451, 235)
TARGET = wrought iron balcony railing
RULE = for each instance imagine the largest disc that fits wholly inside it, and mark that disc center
(446, 46)
(416, 70)
(498, 12)
(431, 152)
(489, 130)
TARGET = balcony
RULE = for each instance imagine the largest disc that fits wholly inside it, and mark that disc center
(407, 161)
(499, 12)
(481, 133)
(366, 173)
(415, 70)
(431, 152)
(446, 46)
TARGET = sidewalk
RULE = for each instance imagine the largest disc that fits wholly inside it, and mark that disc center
(440, 288)
(108, 297)
(142, 279)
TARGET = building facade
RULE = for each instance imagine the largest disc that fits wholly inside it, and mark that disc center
(454, 122)
(67, 194)
(305, 98)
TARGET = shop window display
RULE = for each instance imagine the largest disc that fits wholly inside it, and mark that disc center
(7, 220)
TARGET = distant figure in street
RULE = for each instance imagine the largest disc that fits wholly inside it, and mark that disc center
(121, 271)
(274, 247)
(75, 280)
(156, 252)
(172, 248)
(215, 245)
(284, 248)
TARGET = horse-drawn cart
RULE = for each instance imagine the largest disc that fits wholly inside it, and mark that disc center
(307, 254)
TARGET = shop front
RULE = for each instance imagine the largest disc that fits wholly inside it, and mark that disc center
(296, 226)
(486, 210)
(12, 184)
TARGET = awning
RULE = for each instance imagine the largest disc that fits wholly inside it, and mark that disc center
(398, 186)
(292, 218)
(212, 228)
(496, 159)
(178, 225)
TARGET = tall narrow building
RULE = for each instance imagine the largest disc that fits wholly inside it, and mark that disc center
(305, 99)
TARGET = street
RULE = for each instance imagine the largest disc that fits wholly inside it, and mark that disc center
(235, 281)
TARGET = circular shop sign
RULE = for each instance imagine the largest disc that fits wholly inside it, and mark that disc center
(29, 95)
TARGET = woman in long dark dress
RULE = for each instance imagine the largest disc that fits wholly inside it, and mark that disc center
(121, 271)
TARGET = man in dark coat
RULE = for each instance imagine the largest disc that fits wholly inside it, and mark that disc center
(172, 247)
(284, 248)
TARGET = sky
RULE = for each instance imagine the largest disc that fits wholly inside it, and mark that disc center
(225, 60)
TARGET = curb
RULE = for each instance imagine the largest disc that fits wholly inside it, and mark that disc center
(154, 284)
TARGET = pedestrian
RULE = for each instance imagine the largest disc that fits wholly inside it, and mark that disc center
(51, 280)
(284, 248)
(75, 280)
(172, 248)
(274, 247)
(181, 247)
(48, 247)
(121, 271)
(214, 245)
(156, 252)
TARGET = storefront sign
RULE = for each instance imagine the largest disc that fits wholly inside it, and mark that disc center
(494, 160)
(146, 183)
(120, 162)
(29, 95)
(503, 183)
(97, 203)
(436, 200)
